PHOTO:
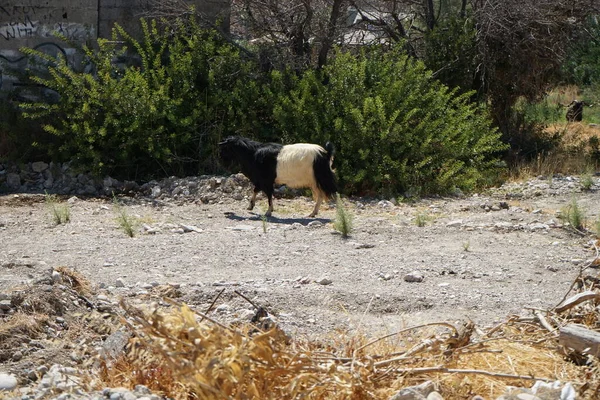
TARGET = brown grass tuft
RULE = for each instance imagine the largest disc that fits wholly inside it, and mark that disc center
(177, 354)
(76, 280)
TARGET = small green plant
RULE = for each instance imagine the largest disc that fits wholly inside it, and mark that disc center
(466, 245)
(574, 215)
(421, 219)
(264, 223)
(126, 221)
(343, 219)
(586, 181)
(61, 214)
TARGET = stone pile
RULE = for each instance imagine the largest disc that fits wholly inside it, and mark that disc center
(55, 178)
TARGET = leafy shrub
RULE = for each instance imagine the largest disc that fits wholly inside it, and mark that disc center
(163, 108)
(396, 129)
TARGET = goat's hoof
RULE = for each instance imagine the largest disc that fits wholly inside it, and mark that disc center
(312, 216)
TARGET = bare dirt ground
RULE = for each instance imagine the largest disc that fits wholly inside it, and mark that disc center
(482, 257)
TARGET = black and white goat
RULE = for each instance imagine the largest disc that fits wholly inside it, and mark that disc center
(300, 165)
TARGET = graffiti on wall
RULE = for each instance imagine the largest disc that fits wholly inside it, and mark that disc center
(24, 21)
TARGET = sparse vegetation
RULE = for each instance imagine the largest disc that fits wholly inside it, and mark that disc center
(466, 245)
(597, 227)
(421, 219)
(60, 212)
(343, 220)
(587, 181)
(574, 215)
(263, 218)
(126, 222)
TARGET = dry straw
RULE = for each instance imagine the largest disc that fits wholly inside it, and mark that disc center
(192, 355)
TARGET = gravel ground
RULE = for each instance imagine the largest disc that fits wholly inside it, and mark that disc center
(481, 257)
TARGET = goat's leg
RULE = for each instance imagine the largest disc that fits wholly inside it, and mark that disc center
(253, 199)
(319, 198)
(269, 194)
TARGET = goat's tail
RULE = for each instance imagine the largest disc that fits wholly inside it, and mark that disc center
(324, 176)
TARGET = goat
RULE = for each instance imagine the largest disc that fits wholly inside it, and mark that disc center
(575, 111)
(300, 165)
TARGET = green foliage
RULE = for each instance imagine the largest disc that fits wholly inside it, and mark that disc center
(574, 215)
(451, 52)
(396, 129)
(343, 219)
(582, 66)
(60, 213)
(586, 181)
(165, 112)
(421, 219)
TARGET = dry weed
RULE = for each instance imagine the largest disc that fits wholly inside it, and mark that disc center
(177, 353)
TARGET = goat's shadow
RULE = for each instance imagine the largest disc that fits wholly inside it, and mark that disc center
(275, 220)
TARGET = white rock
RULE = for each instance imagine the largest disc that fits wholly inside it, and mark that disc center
(315, 224)
(414, 276)
(538, 226)
(119, 283)
(455, 224)
(417, 392)
(324, 281)
(7, 382)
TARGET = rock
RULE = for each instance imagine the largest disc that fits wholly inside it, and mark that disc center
(414, 276)
(156, 191)
(119, 283)
(455, 224)
(39, 166)
(434, 396)
(190, 228)
(315, 224)
(418, 392)
(538, 226)
(7, 382)
(17, 355)
(114, 345)
(5, 305)
(324, 281)
(56, 277)
(385, 204)
(13, 181)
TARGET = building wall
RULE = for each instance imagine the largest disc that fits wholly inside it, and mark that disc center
(31, 23)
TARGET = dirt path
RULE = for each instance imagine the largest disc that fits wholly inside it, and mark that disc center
(477, 264)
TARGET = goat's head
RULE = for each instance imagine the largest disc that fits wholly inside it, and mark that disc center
(227, 151)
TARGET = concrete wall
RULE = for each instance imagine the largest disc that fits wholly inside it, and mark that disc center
(31, 23)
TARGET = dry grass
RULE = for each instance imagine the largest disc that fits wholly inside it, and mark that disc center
(179, 354)
(76, 280)
(573, 155)
(21, 325)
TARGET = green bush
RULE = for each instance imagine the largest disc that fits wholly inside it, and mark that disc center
(396, 129)
(162, 115)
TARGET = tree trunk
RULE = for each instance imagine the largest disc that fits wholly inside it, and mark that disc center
(330, 33)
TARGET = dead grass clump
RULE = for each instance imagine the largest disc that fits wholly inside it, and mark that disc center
(76, 280)
(179, 354)
(20, 328)
(38, 302)
(577, 151)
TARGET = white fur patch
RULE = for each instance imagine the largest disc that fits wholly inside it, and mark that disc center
(295, 165)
